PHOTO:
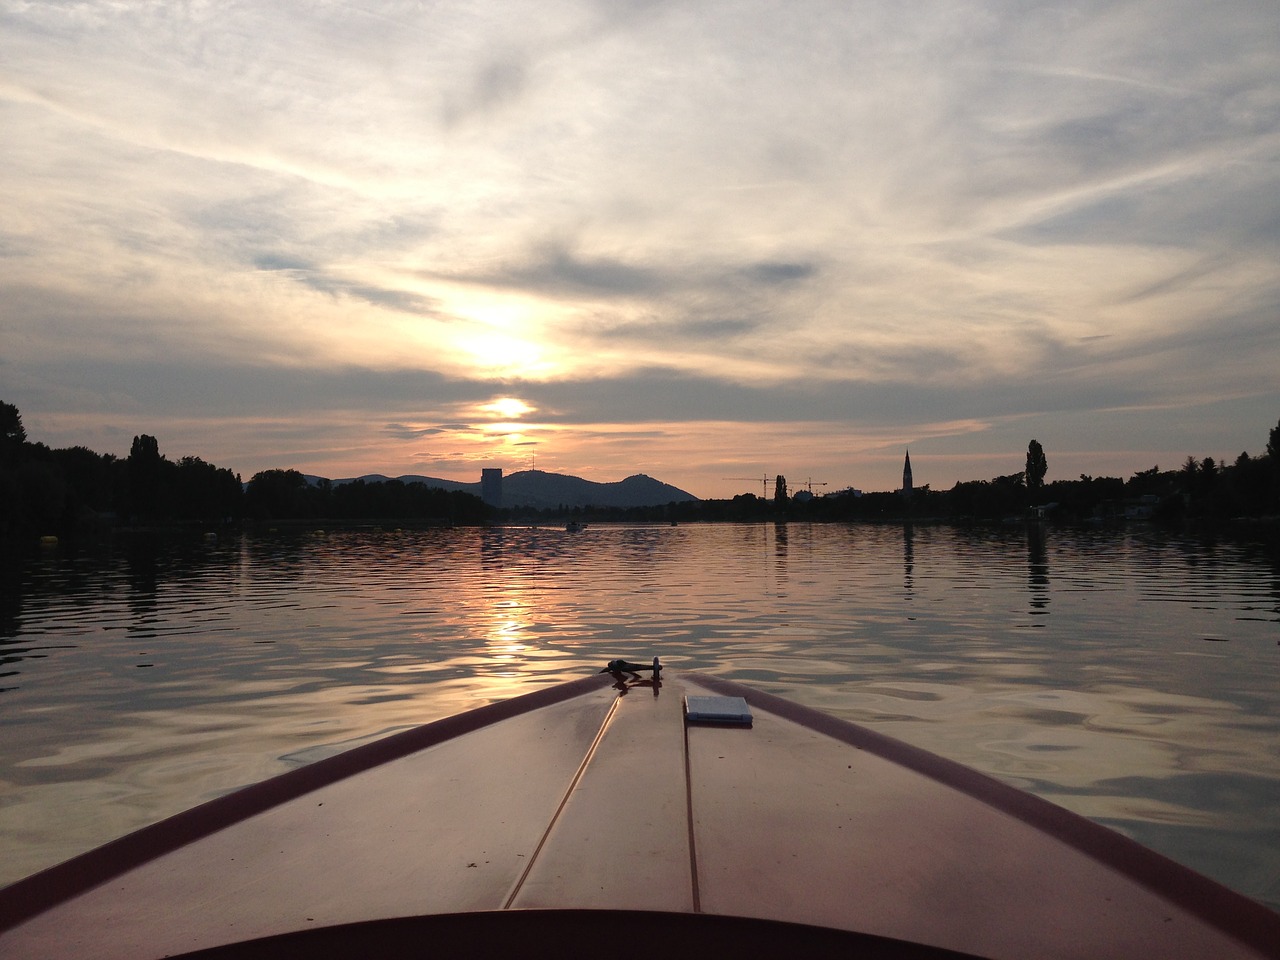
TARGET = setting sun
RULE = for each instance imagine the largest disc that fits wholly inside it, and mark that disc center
(508, 408)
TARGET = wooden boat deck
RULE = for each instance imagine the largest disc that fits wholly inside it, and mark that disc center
(588, 797)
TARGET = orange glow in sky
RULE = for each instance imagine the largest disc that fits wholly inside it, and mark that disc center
(693, 241)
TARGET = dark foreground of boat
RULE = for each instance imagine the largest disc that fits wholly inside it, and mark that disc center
(595, 818)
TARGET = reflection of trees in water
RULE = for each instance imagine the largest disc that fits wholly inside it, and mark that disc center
(120, 579)
(1275, 596)
(142, 564)
(10, 596)
(10, 618)
(908, 557)
(287, 555)
(781, 551)
(1037, 567)
(1266, 552)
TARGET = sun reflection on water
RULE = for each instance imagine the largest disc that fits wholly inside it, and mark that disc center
(1073, 665)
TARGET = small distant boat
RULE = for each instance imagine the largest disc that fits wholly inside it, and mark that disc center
(573, 526)
(624, 815)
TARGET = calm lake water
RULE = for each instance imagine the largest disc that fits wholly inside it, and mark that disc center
(1130, 676)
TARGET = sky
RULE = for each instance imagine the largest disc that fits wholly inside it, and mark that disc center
(704, 241)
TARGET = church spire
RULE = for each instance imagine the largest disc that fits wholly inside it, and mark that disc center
(906, 476)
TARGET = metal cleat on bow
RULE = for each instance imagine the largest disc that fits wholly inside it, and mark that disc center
(621, 668)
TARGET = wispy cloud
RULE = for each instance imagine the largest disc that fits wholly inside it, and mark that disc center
(318, 278)
(695, 227)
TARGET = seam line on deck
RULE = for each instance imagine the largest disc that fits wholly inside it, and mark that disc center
(688, 805)
(564, 801)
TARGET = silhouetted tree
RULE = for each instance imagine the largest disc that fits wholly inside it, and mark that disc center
(1149, 481)
(12, 435)
(75, 489)
(780, 490)
(205, 492)
(1245, 485)
(43, 494)
(1037, 465)
(277, 495)
(91, 482)
(1273, 465)
(1084, 498)
(989, 499)
(145, 466)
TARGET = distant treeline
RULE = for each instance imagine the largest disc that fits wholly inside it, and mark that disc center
(286, 495)
(46, 491)
(1198, 490)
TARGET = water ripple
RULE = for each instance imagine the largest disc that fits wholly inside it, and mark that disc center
(1133, 678)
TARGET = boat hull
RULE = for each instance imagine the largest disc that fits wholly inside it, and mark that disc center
(596, 802)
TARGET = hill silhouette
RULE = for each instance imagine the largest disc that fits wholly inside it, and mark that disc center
(541, 490)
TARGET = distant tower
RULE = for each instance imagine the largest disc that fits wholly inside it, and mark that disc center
(906, 476)
(491, 486)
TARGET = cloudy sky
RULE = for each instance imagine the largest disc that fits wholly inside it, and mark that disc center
(697, 240)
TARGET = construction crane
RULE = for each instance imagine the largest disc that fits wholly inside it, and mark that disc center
(811, 483)
(764, 484)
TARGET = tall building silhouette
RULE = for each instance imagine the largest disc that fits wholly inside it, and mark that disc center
(491, 486)
(906, 476)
